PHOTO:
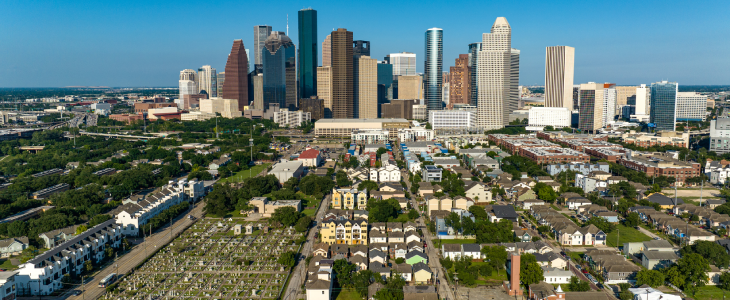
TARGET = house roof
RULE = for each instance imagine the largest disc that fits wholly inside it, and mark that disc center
(309, 154)
(378, 268)
(318, 284)
(451, 247)
(420, 266)
(471, 247)
(663, 200)
(403, 268)
(411, 254)
(504, 211)
(419, 292)
(661, 255)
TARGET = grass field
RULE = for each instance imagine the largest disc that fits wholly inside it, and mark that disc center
(6, 265)
(709, 292)
(438, 242)
(576, 256)
(347, 294)
(625, 235)
(243, 174)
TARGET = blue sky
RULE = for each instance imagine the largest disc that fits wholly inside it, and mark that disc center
(146, 43)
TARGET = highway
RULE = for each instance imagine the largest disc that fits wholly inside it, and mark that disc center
(139, 253)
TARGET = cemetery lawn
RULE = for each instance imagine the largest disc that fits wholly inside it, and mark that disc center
(243, 174)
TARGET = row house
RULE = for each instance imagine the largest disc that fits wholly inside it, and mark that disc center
(137, 211)
(349, 199)
(539, 247)
(387, 173)
(614, 267)
(673, 226)
(43, 273)
(583, 168)
(706, 215)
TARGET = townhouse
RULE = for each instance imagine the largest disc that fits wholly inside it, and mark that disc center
(43, 273)
(350, 232)
(349, 199)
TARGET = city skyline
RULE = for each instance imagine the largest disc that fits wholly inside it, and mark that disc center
(111, 53)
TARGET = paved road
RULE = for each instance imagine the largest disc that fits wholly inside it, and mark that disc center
(647, 232)
(299, 274)
(130, 260)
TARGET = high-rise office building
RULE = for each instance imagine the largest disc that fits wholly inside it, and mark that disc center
(385, 84)
(235, 85)
(365, 87)
(445, 88)
(361, 48)
(256, 89)
(307, 53)
(260, 34)
(342, 74)
(404, 63)
(221, 79)
(643, 98)
(691, 106)
(188, 74)
(497, 77)
(324, 89)
(609, 103)
(623, 93)
(327, 51)
(410, 87)
(590, 97)
(663, 111)
(460, 81)
(474, 49)
(312, 105)
(208, 81)
(279, 65)
(433, 68)
(559, 65)
(399, 109)
(187, 87)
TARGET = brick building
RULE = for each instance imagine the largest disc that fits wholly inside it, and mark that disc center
(611, 154)
(551, 155)
(660, 164)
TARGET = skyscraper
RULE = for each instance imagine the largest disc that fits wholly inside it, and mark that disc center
(409, 87)
(361, 48)
(609, 103)
(474, 49)
(433, 67)
(460, 81)
(327, 51)
(385, 84)
(279, 65)
(221, 79)
(497, 77)
(235, 85)
(445, 87)
(404, 63)
(365, 102)
(207, 81)
(342, 81)
(590, 97)
(260, 34)
(643, 99)
(324, 89)
(559, 62)
(663, 111)
(307, 53)
(188, 74)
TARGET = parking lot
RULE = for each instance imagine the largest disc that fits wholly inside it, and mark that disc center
(208, 261)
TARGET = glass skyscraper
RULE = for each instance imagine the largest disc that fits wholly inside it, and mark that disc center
(433, 68)
(474, 49)
(279, 65)
(664, 105)
(307, 53)
(385, 85)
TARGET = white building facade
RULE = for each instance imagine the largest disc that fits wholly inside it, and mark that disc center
(549, 116)
(691, 106)
(452, 119)
(286, 118)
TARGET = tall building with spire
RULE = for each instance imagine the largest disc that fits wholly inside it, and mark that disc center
(260, 34)
(307, 53)
(279, 66)
(235, 85)
(433, 69)
(559, 62)
(342, 74)
(497, 77)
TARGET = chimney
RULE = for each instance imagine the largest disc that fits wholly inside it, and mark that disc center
(514, 280)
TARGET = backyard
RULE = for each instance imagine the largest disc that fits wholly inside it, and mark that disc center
(625, 235)
(709, 292)
(438, 242)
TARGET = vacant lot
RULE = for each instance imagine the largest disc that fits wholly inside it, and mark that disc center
(693, 192)
(625, 235)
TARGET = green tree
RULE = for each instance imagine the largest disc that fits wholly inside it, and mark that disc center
(496, 256)
(694, 267)
(713, 252)
(341, 178)
(577, 285)
(368, 185)
(632, 220)
(725, 280)
(675, 277)
(303, 224)
(412, 214)
(287, 259)
(286, 215)
(81, 229)
(545, 192)
(653, 278)
(530, 270)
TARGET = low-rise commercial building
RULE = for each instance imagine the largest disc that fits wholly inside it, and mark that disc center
(452, 119)
(266, 207)
(345, 127)
(196, 116)
(286, 118)
(552, 155)
(661, 164)
(370, 136)
(557, 117)
(228, 108)
(287, 169)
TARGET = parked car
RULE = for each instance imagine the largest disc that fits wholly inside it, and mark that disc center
(585, 271)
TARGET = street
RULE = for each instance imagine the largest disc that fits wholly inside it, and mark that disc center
(138, 254)
(299, 273)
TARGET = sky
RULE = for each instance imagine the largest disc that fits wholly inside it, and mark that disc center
(146, 43)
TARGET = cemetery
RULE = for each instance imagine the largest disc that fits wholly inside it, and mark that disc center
(214, 259)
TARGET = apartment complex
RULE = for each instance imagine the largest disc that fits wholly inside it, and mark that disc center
(348, 232)
(660, 164)
(452, 119)
(553, 155)
(591, 102)
(349, 199)
(691, 106)
(345, 127)
(720, 135)
(286, 118)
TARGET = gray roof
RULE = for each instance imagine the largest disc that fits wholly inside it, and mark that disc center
(421, 266)
(663, 200)
(416, 253)
(661, 255)
(504, 211)
(77, 239)
(471, 247)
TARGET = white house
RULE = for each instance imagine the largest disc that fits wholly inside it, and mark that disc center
(555, 275)
(472, 250)
(320, 288)
(387, 173)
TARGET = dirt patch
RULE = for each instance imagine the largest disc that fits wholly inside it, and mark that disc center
(693, 193)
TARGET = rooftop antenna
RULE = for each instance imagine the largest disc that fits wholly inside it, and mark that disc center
(287, 24)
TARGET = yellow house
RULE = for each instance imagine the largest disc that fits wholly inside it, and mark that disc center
(421, 273)
(349, 199)
(350, 232)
